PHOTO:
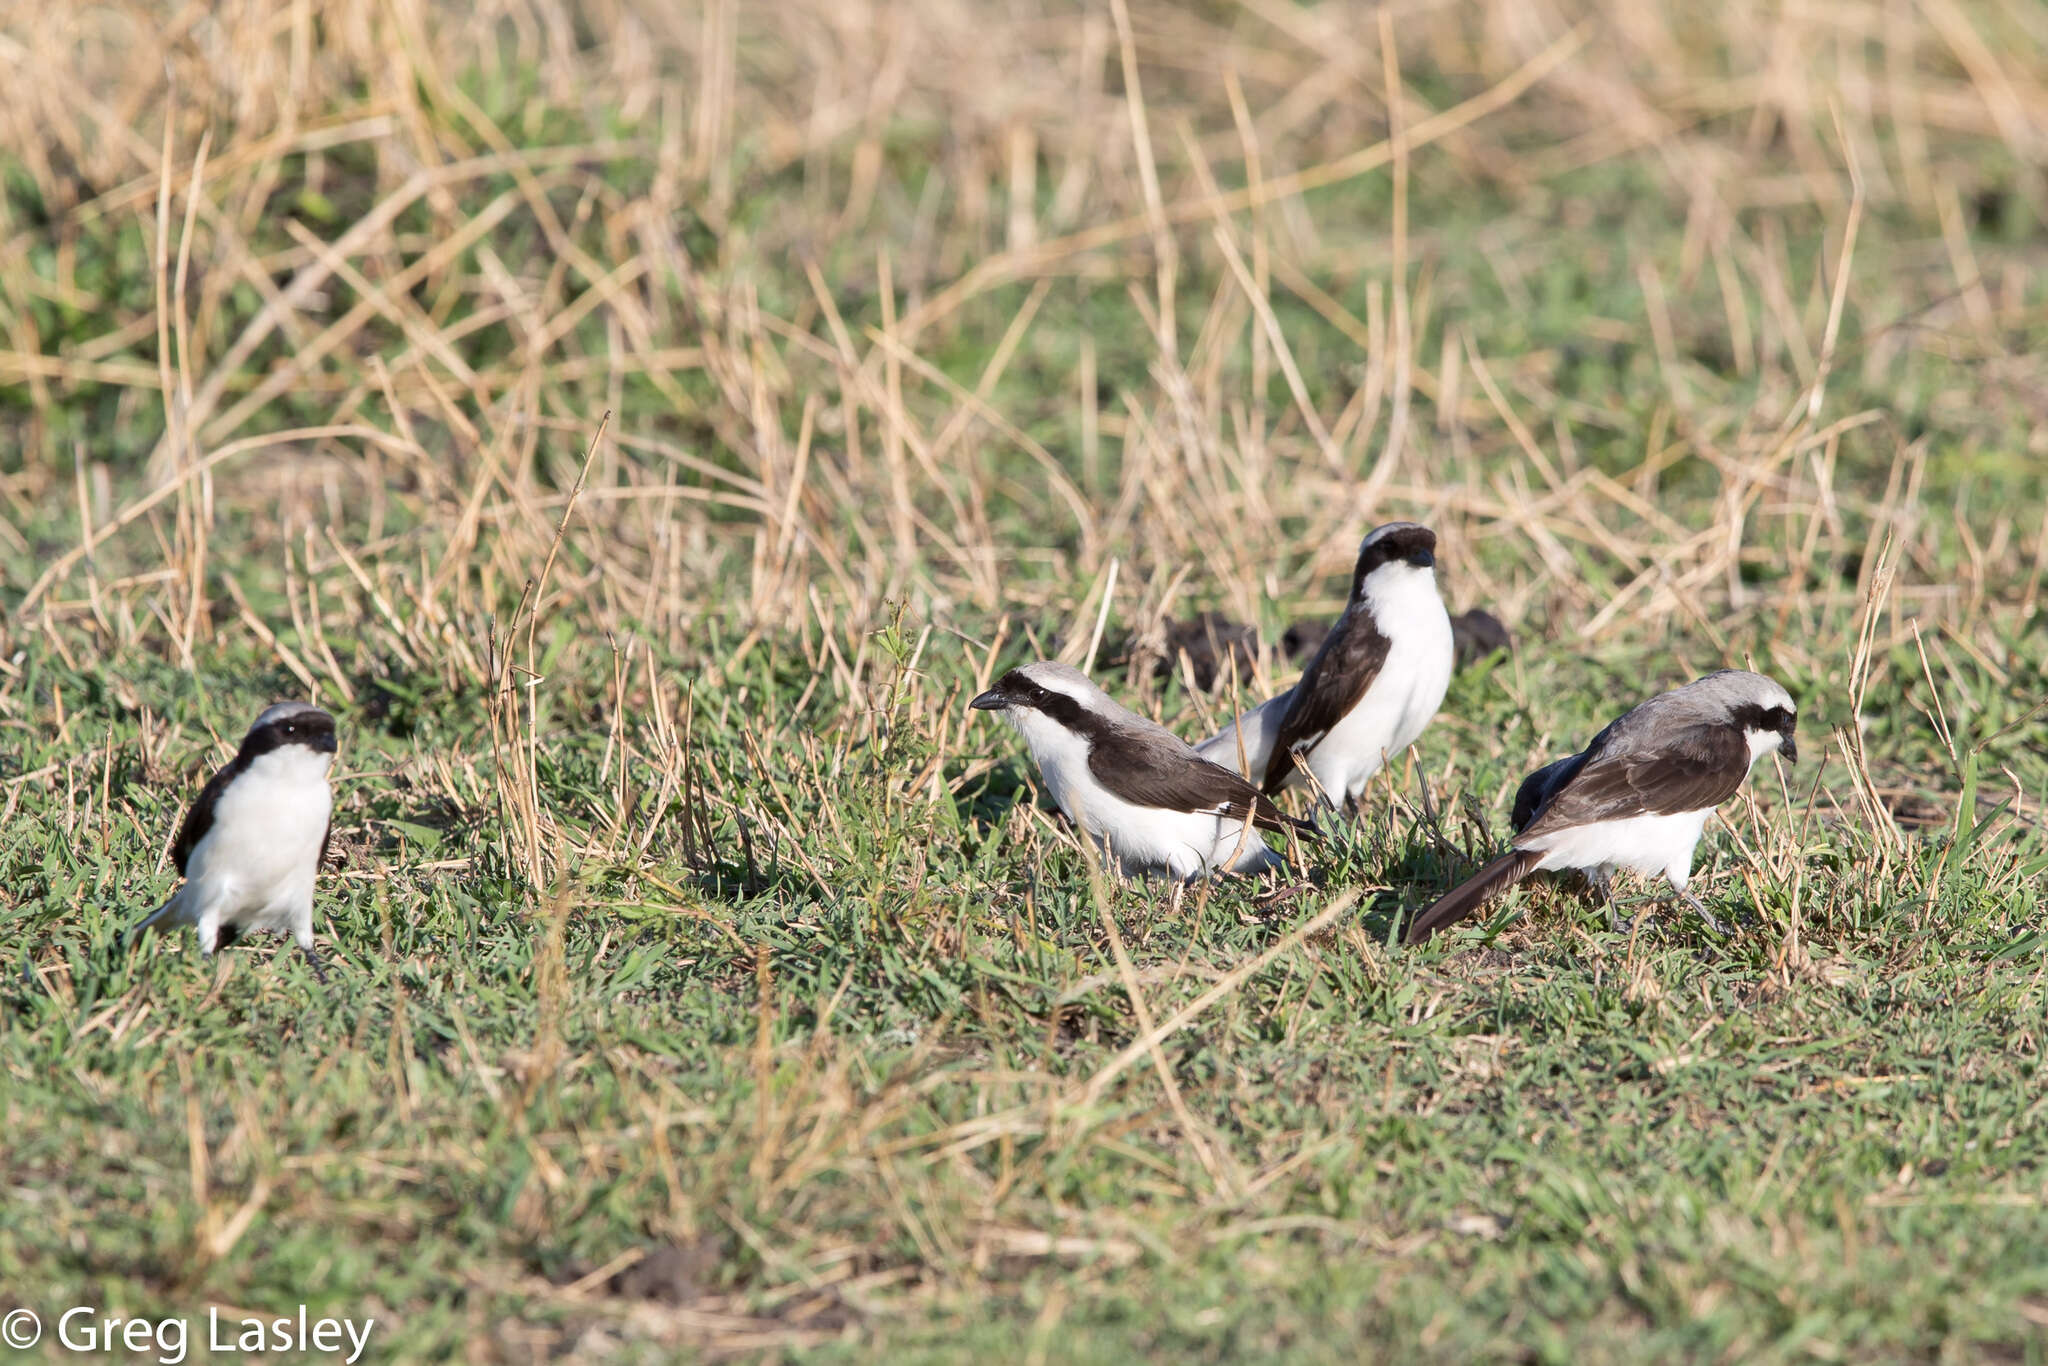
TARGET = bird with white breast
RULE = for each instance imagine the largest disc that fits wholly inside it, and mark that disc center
(1371, 688)
(1133, 786)
(250, 847)
(1639, 796)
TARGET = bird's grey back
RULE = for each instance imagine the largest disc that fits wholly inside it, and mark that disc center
(1140, 734)
(1711, 700)
(1144, 731)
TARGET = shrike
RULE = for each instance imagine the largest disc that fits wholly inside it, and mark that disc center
(251, 846)
(1374, 683)
(1639, 795)
(1134, 786)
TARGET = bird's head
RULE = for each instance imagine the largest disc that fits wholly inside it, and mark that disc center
(290, 724)
(1045, 699)
(1044, 686)
(1766, 712)
(1395, 551)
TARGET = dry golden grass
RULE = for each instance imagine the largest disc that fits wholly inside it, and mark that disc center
(838, 459)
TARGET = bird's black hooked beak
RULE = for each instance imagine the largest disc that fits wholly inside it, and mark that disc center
(995, 699)
(1789, 746)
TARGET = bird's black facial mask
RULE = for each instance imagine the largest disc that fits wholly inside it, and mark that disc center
(1780, 719)
(1013, 689)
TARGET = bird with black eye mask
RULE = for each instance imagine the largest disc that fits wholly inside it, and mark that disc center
(1638, 796)
(1131, 785)
(1373, 686)
(250, 847)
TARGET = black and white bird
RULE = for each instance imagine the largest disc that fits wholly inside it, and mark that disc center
(1374, 683)
(251, 846)
(1134, 786)
(1639, 796)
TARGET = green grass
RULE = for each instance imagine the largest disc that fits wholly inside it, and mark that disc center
(1672, 1146)
(707, 979)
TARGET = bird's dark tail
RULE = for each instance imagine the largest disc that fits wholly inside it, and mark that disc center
(1267, 816)
(1467, 897)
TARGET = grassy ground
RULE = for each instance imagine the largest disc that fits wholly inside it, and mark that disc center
(645, 431)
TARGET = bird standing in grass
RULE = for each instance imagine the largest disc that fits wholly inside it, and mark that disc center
(1134, 786)
(251, 846)
(1372, 687)
(1639, 796)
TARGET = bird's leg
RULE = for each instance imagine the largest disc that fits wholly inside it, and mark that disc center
(1716, 926)
(302, 931)
(1628, 924)
(1600, 882)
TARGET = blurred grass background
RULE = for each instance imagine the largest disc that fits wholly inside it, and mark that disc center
(645, 426)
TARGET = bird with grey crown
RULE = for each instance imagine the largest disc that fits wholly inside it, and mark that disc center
(251, 845)
(1133, 786)
(1638, 797)
(1372, 687)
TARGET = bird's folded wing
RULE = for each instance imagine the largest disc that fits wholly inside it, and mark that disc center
(199, 819)
(1351, 658)
(1153, 768)
(1694, 770)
